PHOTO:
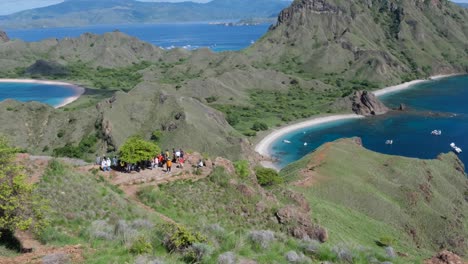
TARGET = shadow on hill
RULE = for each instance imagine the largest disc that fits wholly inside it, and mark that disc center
(9, 241)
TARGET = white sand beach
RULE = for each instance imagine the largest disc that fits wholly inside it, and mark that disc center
(406, 85)
(263, 147)
(77, 89)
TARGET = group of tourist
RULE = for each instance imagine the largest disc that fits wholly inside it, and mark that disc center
(161, 160)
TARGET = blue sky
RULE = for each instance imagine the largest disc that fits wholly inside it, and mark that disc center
(11, 6)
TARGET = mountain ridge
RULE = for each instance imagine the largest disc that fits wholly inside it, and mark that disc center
(88, 12)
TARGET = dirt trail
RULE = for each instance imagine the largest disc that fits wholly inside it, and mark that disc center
(129, 183)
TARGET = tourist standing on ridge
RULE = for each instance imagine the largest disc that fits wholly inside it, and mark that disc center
(168, 165)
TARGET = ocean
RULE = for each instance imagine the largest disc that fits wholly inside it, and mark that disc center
(53, 95)
(184, 35)
(434, 105)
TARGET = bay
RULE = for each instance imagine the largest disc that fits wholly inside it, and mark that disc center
(183, 35)
(53, 95)
(433, 105)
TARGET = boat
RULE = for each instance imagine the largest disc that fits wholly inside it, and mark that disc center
(305, 143)
(436, 132)
(455, 148)
(287, 141)
(389, 142)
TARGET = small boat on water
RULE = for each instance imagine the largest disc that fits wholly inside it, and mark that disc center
(305, 143)
(436, 132)
(389, 142)
(455, 148)
(287, 141)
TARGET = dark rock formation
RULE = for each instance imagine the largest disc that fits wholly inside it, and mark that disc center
(402, 107)
(445, 257)
(366, 103)
(4, 37)
(47, 68)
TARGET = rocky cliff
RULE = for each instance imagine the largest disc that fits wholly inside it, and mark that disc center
(366, 103)
(4, 37)
(381, 41)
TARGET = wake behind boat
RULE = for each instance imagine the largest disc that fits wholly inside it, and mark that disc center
(455, 148)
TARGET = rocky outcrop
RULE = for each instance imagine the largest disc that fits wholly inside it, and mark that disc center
(445, 257)
(303, 7)
(299, 225)
(366, 104)
(4, 37)
(47, 68)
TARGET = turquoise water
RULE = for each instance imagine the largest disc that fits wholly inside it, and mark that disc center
(186, 35)
(52, 95)
(434, 105)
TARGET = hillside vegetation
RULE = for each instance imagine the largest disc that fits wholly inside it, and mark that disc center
(363, 197)
(318, 52)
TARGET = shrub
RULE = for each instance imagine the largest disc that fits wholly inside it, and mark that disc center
(211, 99)
(259, 126)
(227, 258)
(100, 229)
(242, 168)
(250, 133)
(198, 252)
(157, 135)
(135, 149)
(141, 246)
(262, 238)
(179, 238)
(267, 176)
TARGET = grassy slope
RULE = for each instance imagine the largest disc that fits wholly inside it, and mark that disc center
(362, 196)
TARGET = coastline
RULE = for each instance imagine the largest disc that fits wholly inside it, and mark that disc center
(78, 90)
(263, 147)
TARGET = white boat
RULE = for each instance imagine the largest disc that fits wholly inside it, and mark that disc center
(455, 148)
(436, 132)
(305, 143)
(389, 142)
(452, 145)
(287, 141)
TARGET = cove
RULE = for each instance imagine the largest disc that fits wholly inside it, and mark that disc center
(55, 94)
(432, 105)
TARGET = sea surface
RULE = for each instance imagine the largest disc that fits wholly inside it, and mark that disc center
(53, 95)
(440, 105)
(185, 35)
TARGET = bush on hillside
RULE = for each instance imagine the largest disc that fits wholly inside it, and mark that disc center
(259, 126)
(178, 238)
(20, 205)
(242, 168)
(267, 176)
(135, 149)
(198, 252)
(141, 246)
(157, 136)
(262, 238)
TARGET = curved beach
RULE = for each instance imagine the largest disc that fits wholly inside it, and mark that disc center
(78, 90)
(263, 147)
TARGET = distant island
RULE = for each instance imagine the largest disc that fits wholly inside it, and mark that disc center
(86, 12)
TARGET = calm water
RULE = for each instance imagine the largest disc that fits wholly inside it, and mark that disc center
(189, 36)
(53, 95)
(411, 132)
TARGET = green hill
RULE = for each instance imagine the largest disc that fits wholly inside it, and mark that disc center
(361, 196)
(318, 52)
(88, 12)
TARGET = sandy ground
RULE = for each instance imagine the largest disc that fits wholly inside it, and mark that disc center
(263, 147)
(407, 85)
(77, 89)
